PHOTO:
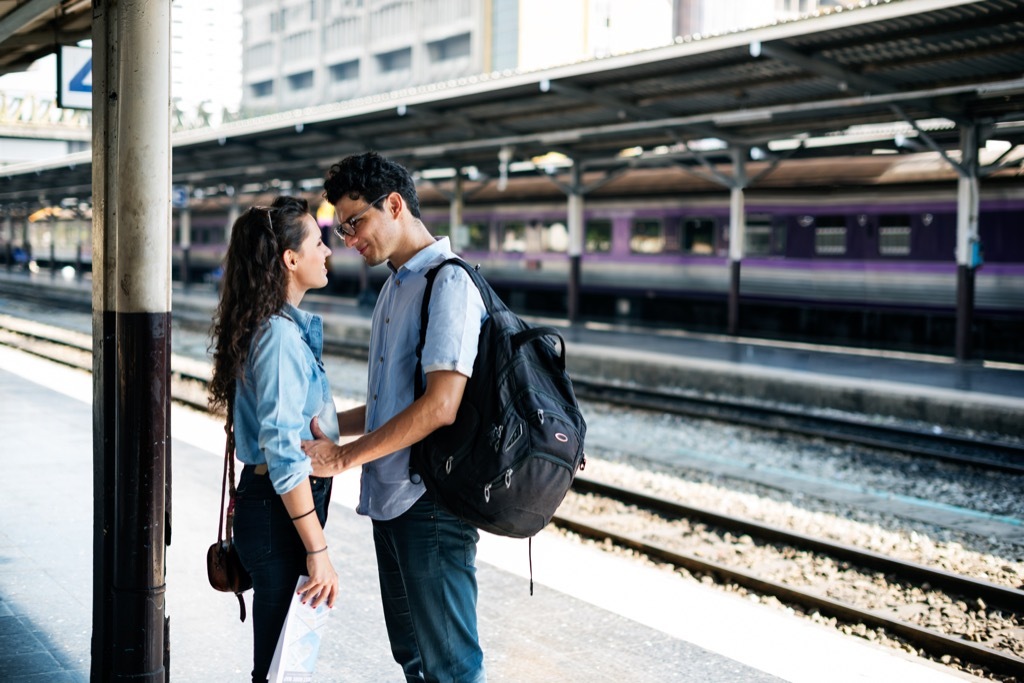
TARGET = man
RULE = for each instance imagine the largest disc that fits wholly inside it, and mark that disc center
(426, 557)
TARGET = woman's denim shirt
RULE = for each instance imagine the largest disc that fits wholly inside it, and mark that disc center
(283, 388)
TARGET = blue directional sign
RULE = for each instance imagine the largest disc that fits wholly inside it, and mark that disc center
(74, 77)
(179, 197)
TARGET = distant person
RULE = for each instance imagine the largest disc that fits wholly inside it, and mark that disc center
(426, 557)
(267, 370)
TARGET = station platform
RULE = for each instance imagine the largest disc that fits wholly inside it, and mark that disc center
(595, 616)
(936, 391)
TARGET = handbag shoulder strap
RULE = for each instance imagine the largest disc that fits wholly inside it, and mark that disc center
(227, 490)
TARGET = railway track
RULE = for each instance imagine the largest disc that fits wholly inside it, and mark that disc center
(972, 451)
(659, 539)
(189, 387)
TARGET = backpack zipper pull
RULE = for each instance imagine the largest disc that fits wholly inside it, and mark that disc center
(540, 415)
(487, 493)
(496, 431)
(448, 464)
(508, 477)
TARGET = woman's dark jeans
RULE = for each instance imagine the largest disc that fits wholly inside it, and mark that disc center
(272, 552)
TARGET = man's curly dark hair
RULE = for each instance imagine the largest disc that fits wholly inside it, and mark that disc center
(369, 175)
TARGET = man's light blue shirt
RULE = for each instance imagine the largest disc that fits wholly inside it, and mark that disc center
(284, 387)
(455, 315)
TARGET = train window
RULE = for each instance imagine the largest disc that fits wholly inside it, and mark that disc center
(513, 237)
(830, 241)
(647, 236)
(894, 235)
(473, 236)
(598, 237)
(555, 237)
(476, 237)
(699, 236)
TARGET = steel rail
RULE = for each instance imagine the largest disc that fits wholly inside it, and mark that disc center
(978, 452)
(993, 594)
(935, 643)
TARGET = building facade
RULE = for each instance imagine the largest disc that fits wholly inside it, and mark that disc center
(300, 53)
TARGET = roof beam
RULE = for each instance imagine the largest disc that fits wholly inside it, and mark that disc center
(817, 65)
(447, 119)
(638, 113)
(23, 16)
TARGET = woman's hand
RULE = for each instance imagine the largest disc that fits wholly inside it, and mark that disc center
(323, 581)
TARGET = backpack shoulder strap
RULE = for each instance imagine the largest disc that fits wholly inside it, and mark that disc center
(491, 302)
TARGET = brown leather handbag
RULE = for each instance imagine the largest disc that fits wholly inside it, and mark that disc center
(223, 565)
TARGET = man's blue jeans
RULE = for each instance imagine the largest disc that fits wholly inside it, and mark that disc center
(426, 562)
(272, 552)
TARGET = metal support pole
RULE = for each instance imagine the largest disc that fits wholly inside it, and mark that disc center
(737, 237)
(135, 434)
(576, 237)
(456, 229)
(185, 227)
(968, 246)
(9, 230)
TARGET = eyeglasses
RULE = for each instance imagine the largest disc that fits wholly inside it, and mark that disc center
(349, 227)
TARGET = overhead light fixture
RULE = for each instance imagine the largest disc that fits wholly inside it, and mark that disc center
(732, 118)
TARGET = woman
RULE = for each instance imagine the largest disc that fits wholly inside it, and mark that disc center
(267, 371)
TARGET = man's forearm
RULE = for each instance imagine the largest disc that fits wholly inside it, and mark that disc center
(352, 422)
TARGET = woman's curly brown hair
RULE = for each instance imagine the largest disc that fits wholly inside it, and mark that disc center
(254, 287)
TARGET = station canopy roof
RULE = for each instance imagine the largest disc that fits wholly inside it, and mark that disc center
(899, 74)
(33, 29)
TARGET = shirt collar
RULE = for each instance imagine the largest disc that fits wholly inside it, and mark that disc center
(301, 318)
(425, 257)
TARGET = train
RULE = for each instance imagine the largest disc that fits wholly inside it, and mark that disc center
(869, 265)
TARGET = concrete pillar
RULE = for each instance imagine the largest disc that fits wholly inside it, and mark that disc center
(458, 235)
(132, 243)
(737, 236)
(185, 228)
(576, 239)
(968, 244)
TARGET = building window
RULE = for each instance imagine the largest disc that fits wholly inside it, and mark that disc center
(297, 46)
(395, 62)
(302, 81)
(346, 71)
(456, 47)
(647, 236)
(260, 56)
(598, 236)
(262, 89)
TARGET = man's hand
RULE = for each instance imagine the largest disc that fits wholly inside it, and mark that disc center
(325, 454)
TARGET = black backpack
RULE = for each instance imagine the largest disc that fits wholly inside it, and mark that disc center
(512, 453)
